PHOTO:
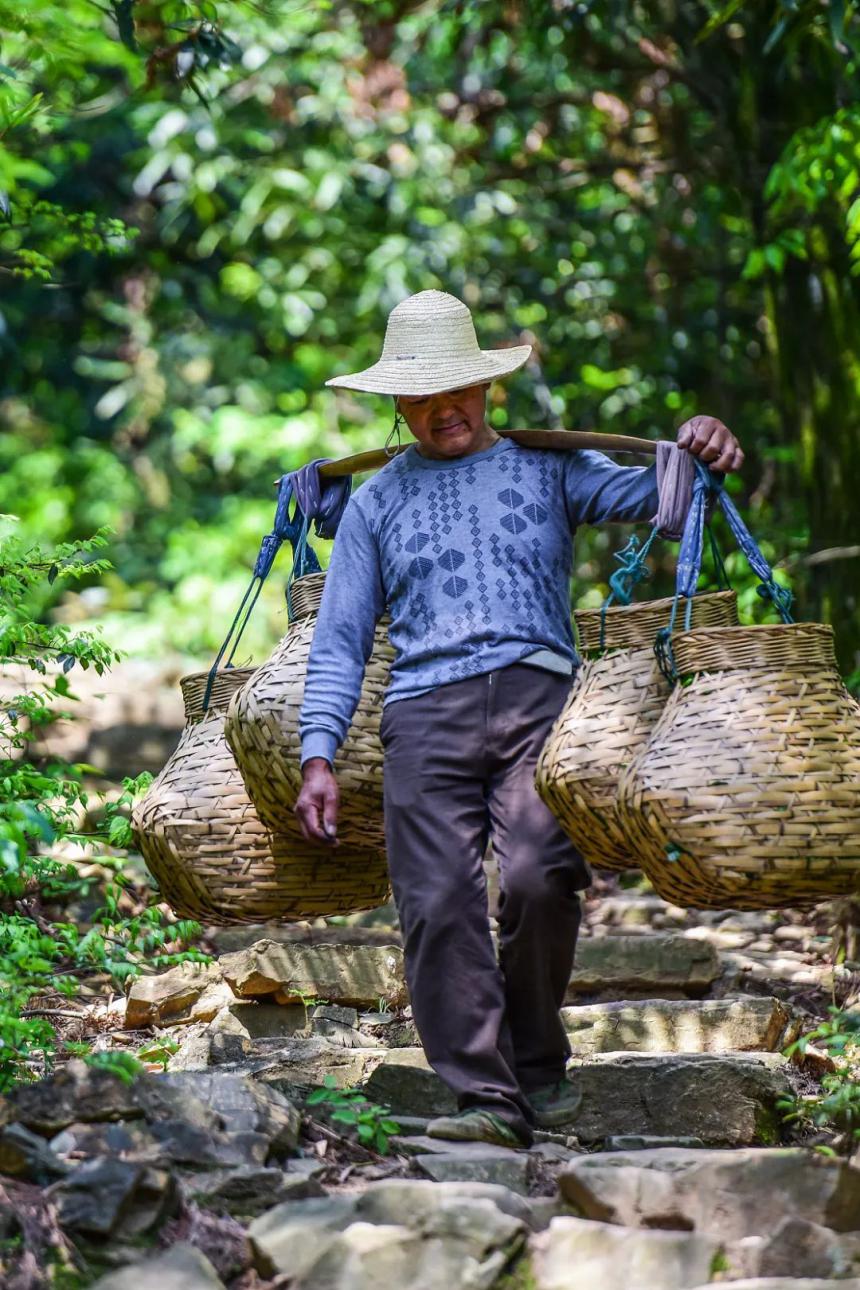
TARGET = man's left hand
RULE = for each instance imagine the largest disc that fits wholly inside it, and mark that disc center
(711, 441)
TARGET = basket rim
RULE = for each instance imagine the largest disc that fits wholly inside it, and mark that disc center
(822, 629)
(654, 606)
(221, 671)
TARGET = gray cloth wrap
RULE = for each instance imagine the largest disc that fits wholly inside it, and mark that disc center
(675, 473)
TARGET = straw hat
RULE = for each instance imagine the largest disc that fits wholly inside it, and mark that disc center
(430, 346)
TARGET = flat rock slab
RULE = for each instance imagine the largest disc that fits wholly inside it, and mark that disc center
(511, 1170)
(420, 1144)
(722, 1100)
(404, 1082)
(680, 1026)
(264, 1020)
(663, 965)
(789, 1283)
(303, 1064)
(188, 992)
(433, 1235)
(795, 1247)
(249, 1191)
(355, 975)
(732, 1195)
(229, 939)
(182, 1267)
(74, 1092)
(26, 1155)
(105, 1197)
(574, 1253)
(243, 1105)
(643, 1142)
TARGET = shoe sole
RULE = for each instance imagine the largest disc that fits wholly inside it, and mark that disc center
(557, 1119)
(516, 1145)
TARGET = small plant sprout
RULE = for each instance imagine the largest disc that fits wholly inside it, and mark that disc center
(308, 1001)
(837, 1105)
(372, 1124)
(159, 1051)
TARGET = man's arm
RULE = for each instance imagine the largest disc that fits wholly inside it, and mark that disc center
(598, 491)
(353, 601)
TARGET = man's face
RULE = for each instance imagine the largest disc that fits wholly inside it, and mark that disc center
(451, 424)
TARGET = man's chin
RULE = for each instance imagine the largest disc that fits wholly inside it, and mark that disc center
(453, 445)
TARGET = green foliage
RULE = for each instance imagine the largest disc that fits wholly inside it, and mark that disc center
(837, 1106)
(159, 1051)
(44, 956)
(372, 1124)
(308, 1000)
(520, 1277)
(124, 1066)
(230, 197)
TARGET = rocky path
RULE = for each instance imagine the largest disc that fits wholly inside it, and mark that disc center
(216, 1172)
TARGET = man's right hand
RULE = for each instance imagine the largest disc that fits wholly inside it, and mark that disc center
(317, 803)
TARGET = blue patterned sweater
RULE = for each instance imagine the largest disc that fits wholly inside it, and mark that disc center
(472, 558)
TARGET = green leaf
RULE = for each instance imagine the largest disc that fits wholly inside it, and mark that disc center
(776, 35)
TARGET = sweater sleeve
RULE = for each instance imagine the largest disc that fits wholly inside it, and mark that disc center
(352, 602)
(598, 491)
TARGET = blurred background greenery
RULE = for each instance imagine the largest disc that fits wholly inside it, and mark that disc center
(206, 209)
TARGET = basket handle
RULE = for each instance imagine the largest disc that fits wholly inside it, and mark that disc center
(709, 483)
(288, 526)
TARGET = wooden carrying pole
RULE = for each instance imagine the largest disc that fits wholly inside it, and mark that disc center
(563, 440)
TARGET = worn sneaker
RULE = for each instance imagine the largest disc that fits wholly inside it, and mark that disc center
(555, 1104)
(476, 1125)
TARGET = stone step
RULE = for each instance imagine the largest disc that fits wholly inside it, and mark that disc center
(660, 966)
(182, 1267)
(574, 1252)
(775, 1212)
(732, 1194)
(512, 1171)
(722, 1100)
(790, 1283)
(399, 1234)
(337, 972)
(404, 1082)
(680, 1026)
(349, 970)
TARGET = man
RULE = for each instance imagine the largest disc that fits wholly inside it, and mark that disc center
(467, 540)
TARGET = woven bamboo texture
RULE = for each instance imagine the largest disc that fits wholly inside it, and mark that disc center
(612, 710)
(263, 731)
(306, 595)
(209, 852)
(747, 794)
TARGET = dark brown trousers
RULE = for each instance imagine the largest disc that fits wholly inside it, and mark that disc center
(459, 771)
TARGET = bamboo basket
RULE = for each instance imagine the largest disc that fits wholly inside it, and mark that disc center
(747, 795)
(213, 858)
(263, 729)
(613, 707)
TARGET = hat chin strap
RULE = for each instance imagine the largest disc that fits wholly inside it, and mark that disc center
(394, 432)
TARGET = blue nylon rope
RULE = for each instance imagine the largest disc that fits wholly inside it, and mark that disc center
(705, 484)
(286, 527)
(624, 580)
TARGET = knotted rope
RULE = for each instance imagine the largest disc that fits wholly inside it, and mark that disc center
(709, 485)
(287, 527)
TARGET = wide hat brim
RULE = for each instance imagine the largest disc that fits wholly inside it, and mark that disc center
(424, 374)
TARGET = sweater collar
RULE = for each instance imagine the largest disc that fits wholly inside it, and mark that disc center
(413, 459)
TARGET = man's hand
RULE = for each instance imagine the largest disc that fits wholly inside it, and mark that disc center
(711, 441)
(317, 803)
